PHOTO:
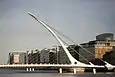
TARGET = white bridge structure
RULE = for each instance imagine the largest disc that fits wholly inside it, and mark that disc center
(74, 63)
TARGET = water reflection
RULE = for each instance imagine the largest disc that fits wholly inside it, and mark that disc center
(57, 75)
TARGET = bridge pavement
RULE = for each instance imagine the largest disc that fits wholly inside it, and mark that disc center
(48, 65)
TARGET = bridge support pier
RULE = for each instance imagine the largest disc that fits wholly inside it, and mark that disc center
(27, 69)
(60, 70)
(32, 69)
(74, 70)
(94, 71)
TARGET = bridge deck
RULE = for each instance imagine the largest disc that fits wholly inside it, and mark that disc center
(48, 65)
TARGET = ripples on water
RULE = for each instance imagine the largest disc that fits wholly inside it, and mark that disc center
(55, 75)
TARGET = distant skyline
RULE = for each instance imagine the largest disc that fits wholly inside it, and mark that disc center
(80, 20)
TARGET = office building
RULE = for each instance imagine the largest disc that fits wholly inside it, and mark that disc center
(44, 56)
(103, 43)
(17, 58)
(53, 56)
(33, 57)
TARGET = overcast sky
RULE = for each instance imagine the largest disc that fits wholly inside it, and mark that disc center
(81, 20)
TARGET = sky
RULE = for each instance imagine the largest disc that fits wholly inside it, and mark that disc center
(80, 20)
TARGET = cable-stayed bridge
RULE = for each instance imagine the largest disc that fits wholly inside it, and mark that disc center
(48, 65)
(73, 62)
(31, 67)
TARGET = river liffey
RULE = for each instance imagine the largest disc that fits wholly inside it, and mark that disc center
(56, 75)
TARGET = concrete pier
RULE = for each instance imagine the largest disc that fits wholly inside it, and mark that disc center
(60, 70)
(94, 71)
(27, 69)
(32, 69)
(74, 70)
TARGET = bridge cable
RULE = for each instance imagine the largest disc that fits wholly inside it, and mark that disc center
(66, 43)
(75, 51)
(77, 44)
(73, 42)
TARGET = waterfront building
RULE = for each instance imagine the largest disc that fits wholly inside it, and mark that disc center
(17, 58)
(105, 36)
(53, 56)
(103, 43)
(109, 57)
(10, 58)
(44, 56)
(33, 57)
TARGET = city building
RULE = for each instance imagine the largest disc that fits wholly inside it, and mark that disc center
(10, 58)
(17, 58)
(53, 56)
(103, 43)
(44, 56)
(105, 36)
(110, 56)
(33, 57)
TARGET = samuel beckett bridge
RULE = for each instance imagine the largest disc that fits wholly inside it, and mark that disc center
(74, 64)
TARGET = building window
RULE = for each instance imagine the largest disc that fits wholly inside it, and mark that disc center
(107, 44)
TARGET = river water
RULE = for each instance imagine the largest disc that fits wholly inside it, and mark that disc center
(56, 75)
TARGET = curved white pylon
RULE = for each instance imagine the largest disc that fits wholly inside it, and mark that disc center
(71, 58)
